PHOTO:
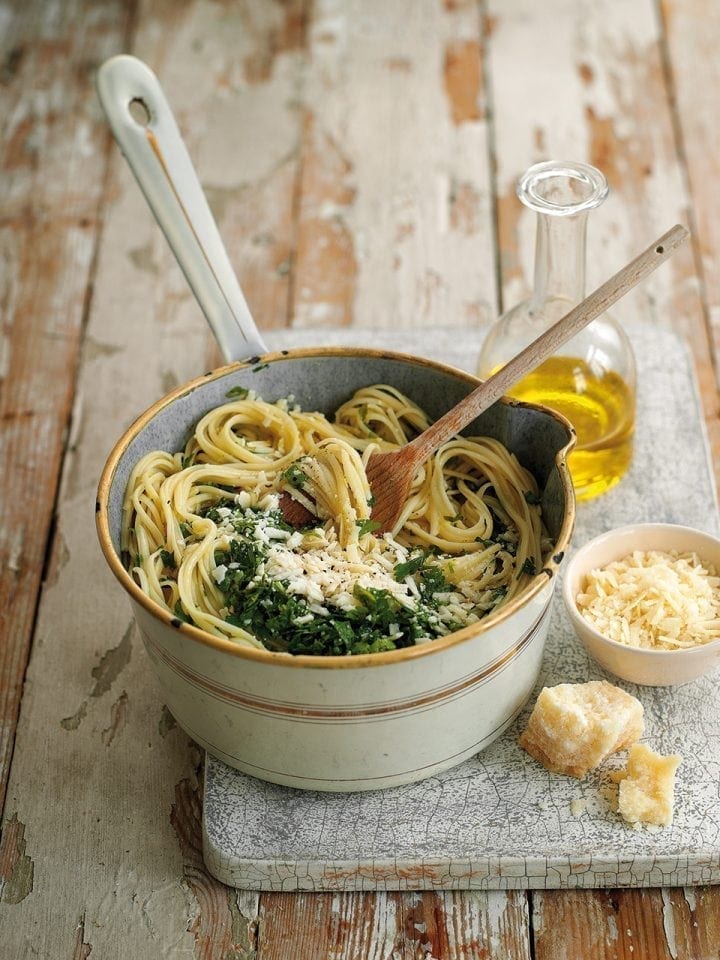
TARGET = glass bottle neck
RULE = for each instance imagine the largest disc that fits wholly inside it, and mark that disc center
(559, 258)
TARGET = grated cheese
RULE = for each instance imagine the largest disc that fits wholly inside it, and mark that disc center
(654, 600)
(314, 565)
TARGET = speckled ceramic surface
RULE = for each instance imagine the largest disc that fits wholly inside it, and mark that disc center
(500, 820)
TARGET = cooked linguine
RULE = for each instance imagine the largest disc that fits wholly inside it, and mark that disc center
(204, 537)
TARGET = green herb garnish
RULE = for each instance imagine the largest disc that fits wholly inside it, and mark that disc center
(284, 621)
(295, 476)
(402, 570)
(180, 613)
(432, 581)
(367, 526)
(237, 393)
(508, 545)
(168, 559)
(532, 498)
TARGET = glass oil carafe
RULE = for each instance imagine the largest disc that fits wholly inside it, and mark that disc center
(591, 380)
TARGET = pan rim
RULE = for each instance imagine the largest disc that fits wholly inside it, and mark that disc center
(307, 661)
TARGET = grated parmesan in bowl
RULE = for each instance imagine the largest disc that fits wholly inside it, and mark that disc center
(654, 599)
(645, 602)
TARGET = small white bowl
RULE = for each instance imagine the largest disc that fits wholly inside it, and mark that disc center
(659, 668)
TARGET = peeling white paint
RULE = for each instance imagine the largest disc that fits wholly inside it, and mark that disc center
(690, 899)
(83, 140)
(497, 903)
(15, 549)
(5, 354)
(167, 900)
(669, 924)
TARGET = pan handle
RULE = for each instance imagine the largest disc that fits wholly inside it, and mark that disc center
(145, 130)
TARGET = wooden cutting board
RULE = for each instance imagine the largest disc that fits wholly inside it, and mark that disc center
(500, 820)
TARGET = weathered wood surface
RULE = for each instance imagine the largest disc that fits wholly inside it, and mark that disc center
(53, 157)
(689, 50)
(360, 158)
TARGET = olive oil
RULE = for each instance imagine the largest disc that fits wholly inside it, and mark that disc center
(592, 382)
(602, 410)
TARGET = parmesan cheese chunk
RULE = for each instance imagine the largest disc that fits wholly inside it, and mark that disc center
(574, 726)
(647, 787)
(652, 599)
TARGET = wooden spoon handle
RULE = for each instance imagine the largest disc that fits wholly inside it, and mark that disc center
(546, 344)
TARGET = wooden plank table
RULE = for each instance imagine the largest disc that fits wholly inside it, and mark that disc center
(360, 157)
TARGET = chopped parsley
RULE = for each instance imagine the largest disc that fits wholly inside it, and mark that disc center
(287, 621)
(237, 393)
(432, 581)
(532, 498)
(245, 520)
(284, 621)
(295, 476)
(402, 570)
(180, 613)
(275, 608)
(367, 526)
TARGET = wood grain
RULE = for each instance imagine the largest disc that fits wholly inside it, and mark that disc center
(394, 205)
(225, 922)
(404, 926)
(691, 33)
(53, 156)
(603, 924)
(668, 925)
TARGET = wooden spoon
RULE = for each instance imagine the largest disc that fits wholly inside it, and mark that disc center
(390, 474)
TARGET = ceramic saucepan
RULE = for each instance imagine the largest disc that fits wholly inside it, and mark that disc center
(323, 723)
(348, 723)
